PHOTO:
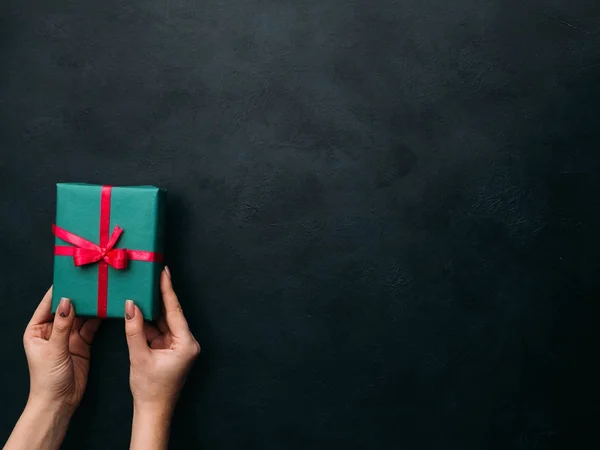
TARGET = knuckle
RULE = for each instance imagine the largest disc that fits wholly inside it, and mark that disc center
(188, 347)
(194, 349)
(175, 310)
(132, 332)
(61, 327)
(132, 329)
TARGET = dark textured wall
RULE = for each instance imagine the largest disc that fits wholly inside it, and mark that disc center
(382, 214)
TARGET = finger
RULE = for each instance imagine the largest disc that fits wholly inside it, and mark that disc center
(174, 317)
(88, 330)
(43, 313)
(63, 323)
(77, 324)
(134, 331)
(151, 332)
(159, 343)
(162, 325)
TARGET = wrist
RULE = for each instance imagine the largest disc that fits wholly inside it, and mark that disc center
(151, 426)
(43, 424)
(153, 412)
(54, 407)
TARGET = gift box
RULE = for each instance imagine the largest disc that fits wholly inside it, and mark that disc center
(108, 248)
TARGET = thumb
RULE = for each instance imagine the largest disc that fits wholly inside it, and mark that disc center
(63, 324)
(134, 331)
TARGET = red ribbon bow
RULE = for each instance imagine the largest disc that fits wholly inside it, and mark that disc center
(86, 252)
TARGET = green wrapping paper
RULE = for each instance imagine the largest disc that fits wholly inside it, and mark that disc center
(92, 212)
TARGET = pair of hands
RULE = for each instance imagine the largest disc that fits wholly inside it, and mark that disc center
(58, 354)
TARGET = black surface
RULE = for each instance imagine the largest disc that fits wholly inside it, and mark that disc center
(383, 214)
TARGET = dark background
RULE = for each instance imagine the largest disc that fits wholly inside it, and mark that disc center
(382, 217)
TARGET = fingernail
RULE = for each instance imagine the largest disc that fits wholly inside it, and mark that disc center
(64, 307)
(168, 272)
(129, 310)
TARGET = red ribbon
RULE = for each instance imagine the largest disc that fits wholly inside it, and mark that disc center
(86, 252)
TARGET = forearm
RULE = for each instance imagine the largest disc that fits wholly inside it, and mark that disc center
(41, 427)
(150, 429)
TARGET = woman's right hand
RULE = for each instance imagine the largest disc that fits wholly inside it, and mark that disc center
(160, 359)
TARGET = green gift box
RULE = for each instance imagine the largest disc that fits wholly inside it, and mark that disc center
(108, 248)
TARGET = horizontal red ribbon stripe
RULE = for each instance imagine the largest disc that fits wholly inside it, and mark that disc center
(135, 255)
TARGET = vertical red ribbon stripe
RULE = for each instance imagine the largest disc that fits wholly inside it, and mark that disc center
(104, 237)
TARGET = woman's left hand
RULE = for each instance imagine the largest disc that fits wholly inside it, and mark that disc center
(58, 354)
